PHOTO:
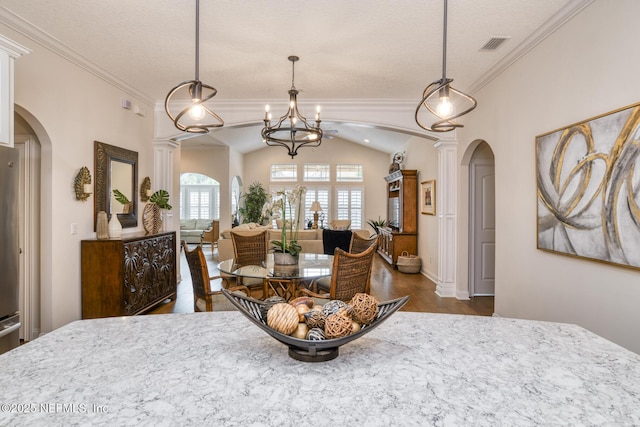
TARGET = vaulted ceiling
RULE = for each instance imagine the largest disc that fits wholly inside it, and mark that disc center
(348, 49)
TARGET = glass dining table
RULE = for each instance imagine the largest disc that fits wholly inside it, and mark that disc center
(283, 279)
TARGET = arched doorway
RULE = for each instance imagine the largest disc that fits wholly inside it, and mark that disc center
(199, 197)
(482, 222)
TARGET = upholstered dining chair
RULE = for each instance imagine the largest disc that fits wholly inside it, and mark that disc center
(351, 275)
(251, 249)
(203, 296)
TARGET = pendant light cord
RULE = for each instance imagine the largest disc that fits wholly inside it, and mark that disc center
(444, 43)
(197, 40)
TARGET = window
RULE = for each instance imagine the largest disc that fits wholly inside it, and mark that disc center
(316, 172)
(288, 172)
(349, 205)
(349, 173)
(321, 195)
(199, 197)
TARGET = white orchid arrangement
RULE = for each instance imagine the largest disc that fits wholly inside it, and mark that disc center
(282, 204)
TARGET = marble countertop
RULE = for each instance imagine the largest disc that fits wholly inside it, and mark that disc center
(415, 369)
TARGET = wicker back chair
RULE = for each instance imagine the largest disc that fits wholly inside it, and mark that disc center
(351, 275)
(201, 281)
(251, 249)
(360, 244)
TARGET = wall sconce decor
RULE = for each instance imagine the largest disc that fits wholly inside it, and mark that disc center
(83, 185)
(145, 189)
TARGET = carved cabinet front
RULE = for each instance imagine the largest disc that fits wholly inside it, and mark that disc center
(128, 276)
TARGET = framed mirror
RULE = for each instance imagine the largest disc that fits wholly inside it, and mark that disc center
(116, 169)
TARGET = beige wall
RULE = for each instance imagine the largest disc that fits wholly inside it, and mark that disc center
(69, 109)
(333, 151)
(422, 155)
(586, 68)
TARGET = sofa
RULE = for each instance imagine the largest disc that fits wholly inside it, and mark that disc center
(191, 230)
(310, 240)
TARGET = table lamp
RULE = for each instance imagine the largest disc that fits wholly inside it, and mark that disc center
(315, 207)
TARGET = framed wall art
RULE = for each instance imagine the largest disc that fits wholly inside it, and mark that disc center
(428, 197)
(588, 189)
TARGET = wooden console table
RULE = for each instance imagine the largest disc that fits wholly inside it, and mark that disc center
(127, 276)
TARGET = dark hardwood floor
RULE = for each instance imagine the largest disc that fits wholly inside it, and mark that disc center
(386, 284)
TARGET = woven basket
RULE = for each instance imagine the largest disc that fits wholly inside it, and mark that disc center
(408, 263)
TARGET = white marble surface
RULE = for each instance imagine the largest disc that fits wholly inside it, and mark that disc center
(415, 369)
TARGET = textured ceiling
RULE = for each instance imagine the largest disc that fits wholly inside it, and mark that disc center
(349, 49)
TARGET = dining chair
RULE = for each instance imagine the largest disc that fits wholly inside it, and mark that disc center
(251, 249)
(360, 244)
(203, 296)
(351, 275)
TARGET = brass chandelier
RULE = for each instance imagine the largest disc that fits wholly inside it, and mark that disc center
(196, 117)
(441, 99)
(292, 130)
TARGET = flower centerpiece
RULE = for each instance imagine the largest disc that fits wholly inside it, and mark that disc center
(283, 203)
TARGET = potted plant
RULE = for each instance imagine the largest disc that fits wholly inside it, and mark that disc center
(287, 251)
(254, 200)
(377, 224)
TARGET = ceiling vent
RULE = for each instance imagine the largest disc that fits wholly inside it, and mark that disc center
(494, 43)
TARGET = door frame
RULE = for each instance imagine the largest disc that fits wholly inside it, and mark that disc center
(29, 277)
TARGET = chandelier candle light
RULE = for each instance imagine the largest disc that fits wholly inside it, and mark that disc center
(292, 130)
(441, 99)
(196, 117)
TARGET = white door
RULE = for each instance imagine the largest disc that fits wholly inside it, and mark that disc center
(483, 225)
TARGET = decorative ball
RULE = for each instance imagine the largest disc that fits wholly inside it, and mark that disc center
(315, 319)
(283, 318)
(308, 301)
(267, 304)
(301, 331)
(364, 308)
(337, 326)
(316, 334)
(332, 307)
(355, 327)
(302, 309)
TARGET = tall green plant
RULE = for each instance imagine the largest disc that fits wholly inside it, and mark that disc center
(252, 203)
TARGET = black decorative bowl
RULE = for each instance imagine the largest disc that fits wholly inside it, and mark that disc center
(307, 350)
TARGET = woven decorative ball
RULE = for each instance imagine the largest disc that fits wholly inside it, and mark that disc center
(283, 318)
(332, 307)
(315, 319)
(267, 304)
(337, 326)
(316, 334)
(364, 308)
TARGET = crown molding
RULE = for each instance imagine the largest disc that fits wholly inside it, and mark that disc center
(564, 15)
(49, 42)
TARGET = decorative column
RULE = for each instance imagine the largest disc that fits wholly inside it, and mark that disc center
(164, 157)
(447, 211)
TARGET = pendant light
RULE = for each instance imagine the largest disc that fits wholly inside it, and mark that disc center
(292, 130)
(196, 117)
(441, 99)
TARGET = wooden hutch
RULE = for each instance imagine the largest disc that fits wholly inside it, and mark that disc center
(402, 213)
(127, 276)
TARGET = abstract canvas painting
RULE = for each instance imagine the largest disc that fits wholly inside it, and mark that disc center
(588, 188)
